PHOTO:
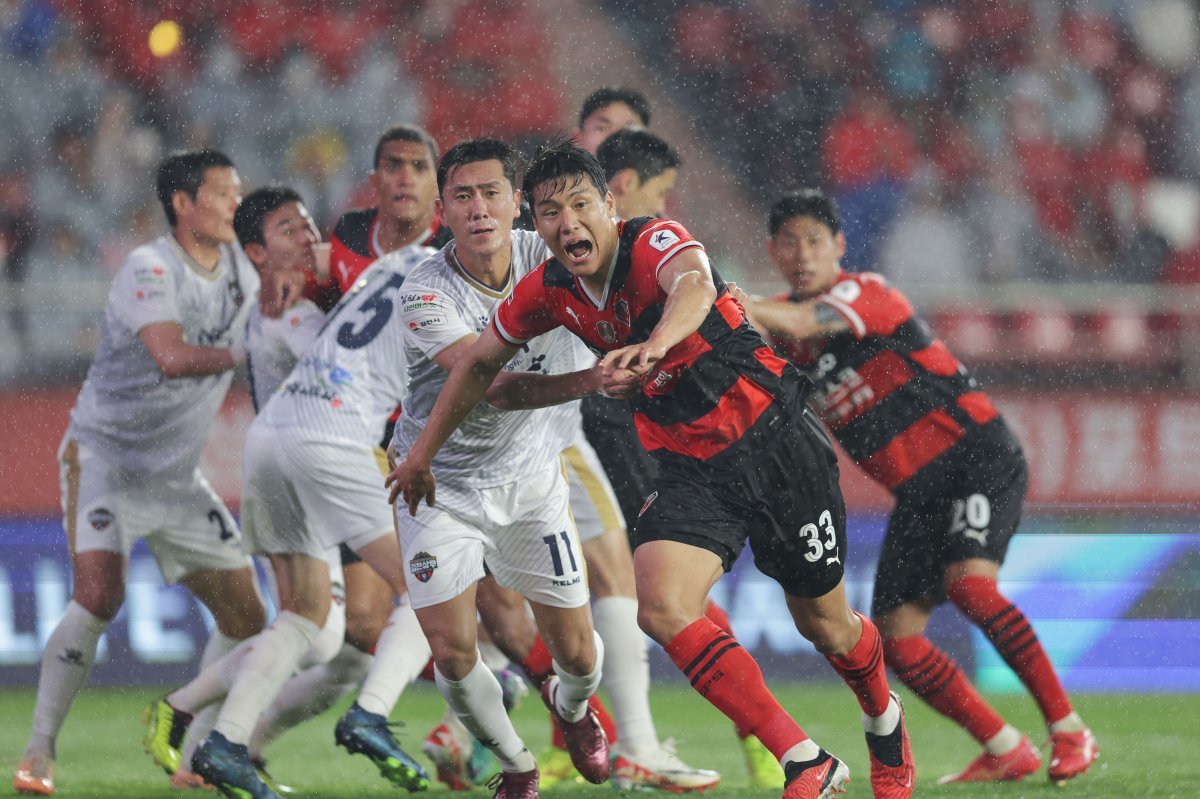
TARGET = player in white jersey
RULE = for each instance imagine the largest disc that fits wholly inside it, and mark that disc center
(503, 507)
(313, 482)
(171, 337)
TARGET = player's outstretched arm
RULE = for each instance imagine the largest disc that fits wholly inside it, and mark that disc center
(796, 320)
(472, 373)
(687, 280)
(177, 358)
(516, 391)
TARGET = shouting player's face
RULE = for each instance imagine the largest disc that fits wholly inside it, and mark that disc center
(808, 255)
(577, 224)
(209, 217)
(405, 181)
(289, 234)
(479, 204)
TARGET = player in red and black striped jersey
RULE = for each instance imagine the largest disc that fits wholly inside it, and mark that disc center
(739, 457)
(915, 419)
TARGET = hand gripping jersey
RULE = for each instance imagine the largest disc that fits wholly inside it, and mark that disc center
(442, 303)
(353, 375)
(891, 393)
(718, 397)
(127, 411)
(355, 245)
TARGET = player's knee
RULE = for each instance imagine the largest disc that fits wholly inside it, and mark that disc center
(101, 600)
(240, 620)
(830, 637)
(662, 621)
(363, 630)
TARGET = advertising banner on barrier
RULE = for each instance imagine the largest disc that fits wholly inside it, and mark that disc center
(1083, 448)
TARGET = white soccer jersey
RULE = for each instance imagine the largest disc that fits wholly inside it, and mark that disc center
(346, 385)
(273, 346)
(442, 303)
(127, 411)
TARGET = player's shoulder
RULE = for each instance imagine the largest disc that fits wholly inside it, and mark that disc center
(854, 286)
(658, 233)
(432, 271)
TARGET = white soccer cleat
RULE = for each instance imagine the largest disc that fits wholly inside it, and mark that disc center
(660, 769)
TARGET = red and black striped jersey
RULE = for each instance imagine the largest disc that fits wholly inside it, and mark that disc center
(716, 400)
(890, 392)
(354, 247)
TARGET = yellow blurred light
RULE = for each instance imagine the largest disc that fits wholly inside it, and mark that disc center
(165, 38)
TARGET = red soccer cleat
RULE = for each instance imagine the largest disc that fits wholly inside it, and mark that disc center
(515, 784)
(35, 775)
(1009, 767)
(1072, 754)
(892, 782)
(824, 779)
(585, 738)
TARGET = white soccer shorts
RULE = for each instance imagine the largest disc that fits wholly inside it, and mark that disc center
(593, 503)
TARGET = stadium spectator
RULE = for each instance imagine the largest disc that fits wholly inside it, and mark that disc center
(915, 420)
(130, 458)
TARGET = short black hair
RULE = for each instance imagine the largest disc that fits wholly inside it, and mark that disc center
(609, 95)
(248, 221)
(185, 172)
(562, 162)
(480, 149)
(637, 149)
(410, 133)
(804, 202)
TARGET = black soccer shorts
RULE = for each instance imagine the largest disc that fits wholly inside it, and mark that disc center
(608, 427)
(971, 510)
(788, 505)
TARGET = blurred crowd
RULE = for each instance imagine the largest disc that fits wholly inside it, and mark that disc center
(965, 140)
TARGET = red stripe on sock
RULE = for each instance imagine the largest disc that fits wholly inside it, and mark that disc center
(862, 669)
(728, 677)
(932, 675)
(427, 672)
(717, 615)
(1014, 638)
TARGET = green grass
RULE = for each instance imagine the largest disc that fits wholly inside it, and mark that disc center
(1148, 743)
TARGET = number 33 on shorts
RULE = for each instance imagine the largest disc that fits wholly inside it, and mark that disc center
(822, 539)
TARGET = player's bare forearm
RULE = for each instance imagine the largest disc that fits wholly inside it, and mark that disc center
(797, 320)
(523, 390)
(177, 358)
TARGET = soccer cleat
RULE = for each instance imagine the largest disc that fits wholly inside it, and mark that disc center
(186, 779)
(1018, 764)
(1072, 754)
(165, 729)
(35, 775)
(227, 767)
(555, 766)
(821, 778)
(448, 753)
(585, 738)
(888, 781)
(370, 734)
(481, 763)
(260, 766)
(515, 785)
(513, 688)
(761, 765)
(661, 769)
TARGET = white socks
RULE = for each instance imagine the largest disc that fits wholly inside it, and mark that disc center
(573, 693)
(310, 693)
(884, 724)
(479, 703)
(70, 653)
(1068, 723)
(216, 648)
(1003, 742)
(268, 662)
(626, 672)
(802, 752)
(400, 656)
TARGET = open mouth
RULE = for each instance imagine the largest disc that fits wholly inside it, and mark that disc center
(579, 249)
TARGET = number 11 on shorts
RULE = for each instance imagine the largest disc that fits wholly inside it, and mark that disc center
(556, 555)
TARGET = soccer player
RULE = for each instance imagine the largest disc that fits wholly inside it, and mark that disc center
(766, 470)
(171, 338)
(607, 110)
(641, 169)
(503, 500)
(909, 413)
(313, 482)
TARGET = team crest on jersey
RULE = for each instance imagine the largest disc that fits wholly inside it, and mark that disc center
(621, 311)
(646, 506)
(422, 566)
(606, 331)
(663, 239)
(100, 518)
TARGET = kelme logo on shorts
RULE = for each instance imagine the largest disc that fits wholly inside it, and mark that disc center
(422, 566)
(649, 500)
(100, 518)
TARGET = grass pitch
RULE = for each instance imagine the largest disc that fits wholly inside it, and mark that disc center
(1149, 745)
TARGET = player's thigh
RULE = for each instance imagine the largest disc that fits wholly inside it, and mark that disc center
(99, 532)
(232, 596)
(368, 600)
(609, 565)
(450, 626)
(304, 585)
(568, 635)
(531, 544)
(504, 613)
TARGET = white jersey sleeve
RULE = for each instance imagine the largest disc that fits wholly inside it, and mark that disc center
(434, 319)
(144, 292)
(273, 346)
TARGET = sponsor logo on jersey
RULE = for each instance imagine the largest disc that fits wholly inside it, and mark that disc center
(606, 331)
(422, 565)
(100, 518)
(340, 376)
(621, 311)
(663, 239)
(646, 506)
